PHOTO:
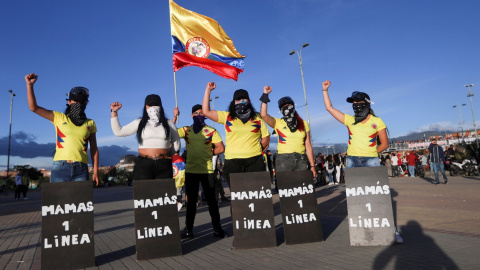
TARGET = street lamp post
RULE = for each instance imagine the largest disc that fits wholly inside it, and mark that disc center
(213, 108)
(9, 138)
(303, 80)
(470, 95)
(460, 110)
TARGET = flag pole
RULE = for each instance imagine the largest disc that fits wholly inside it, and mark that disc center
(176, 101)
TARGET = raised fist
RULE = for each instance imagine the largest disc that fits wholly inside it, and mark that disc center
(115, 106)
(31, 78)
(267, 89)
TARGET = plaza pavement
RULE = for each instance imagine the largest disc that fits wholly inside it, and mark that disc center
(439, 224)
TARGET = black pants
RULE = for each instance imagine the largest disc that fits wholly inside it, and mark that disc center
(18, 190)
(218, 185)
(237, 165)
(146, 168)
(192, 181)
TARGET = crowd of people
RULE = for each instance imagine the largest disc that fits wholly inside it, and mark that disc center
(247, 140)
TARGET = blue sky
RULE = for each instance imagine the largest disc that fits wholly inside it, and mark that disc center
(412, 57)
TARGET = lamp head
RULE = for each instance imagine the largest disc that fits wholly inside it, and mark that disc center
(10, 90)
(305, 45)
(292, 52)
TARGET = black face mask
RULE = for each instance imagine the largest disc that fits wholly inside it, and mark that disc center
(76, 113)
(198, 123)
(361, 111)
(243, 111)
(289, 117)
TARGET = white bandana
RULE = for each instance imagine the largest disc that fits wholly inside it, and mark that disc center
(153, 113)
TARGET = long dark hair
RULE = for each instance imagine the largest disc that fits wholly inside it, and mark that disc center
(144, 120)
(378, 137)
(233, 113)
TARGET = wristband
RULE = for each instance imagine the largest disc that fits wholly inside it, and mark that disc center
(264, 98)
(113, 110)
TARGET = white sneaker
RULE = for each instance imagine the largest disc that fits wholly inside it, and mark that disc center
(398, 238)
(25, 198)
(330, 183)
(179, 206)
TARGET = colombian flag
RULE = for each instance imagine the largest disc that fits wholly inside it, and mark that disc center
(178, 166)
(200, 41)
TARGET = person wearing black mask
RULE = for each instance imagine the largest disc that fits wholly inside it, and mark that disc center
(367, 132)
(74, 131)
(247, 135)
(199, 139)
(295, 152)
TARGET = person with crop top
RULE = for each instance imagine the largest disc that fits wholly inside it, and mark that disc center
(74, 132)
(247, 135)
(157, 139)
(295, 152)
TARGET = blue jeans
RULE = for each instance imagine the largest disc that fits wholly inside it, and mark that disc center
(353, 162)
(330, 178)
(63, 171)
(411, 170)
(438, 166)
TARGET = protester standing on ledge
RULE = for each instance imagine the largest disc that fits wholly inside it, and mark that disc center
(199, 139)
(247, 135)
(74, 132)
(437, 161)
(295, 152)
(157, 139)
(365, 131)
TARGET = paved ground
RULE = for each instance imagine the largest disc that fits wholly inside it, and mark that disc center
(440, 226)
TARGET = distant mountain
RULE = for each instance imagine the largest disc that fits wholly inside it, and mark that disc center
(332, 148)
(421, 135)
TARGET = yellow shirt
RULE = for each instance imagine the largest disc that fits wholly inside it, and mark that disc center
(289, 142)
(242, 140)
(72, 141)
(362, 139)
(199, 148)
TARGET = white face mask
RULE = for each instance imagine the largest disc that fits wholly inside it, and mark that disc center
(153, 113)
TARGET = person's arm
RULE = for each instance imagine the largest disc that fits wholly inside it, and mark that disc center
(219, 148)
(30, 79)
(263, 109)
(265, 142)
(382, 135)
(95, 156)
(210, 114)
(176, 113)
(328, 104)
(117, 129)
(309, 151)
